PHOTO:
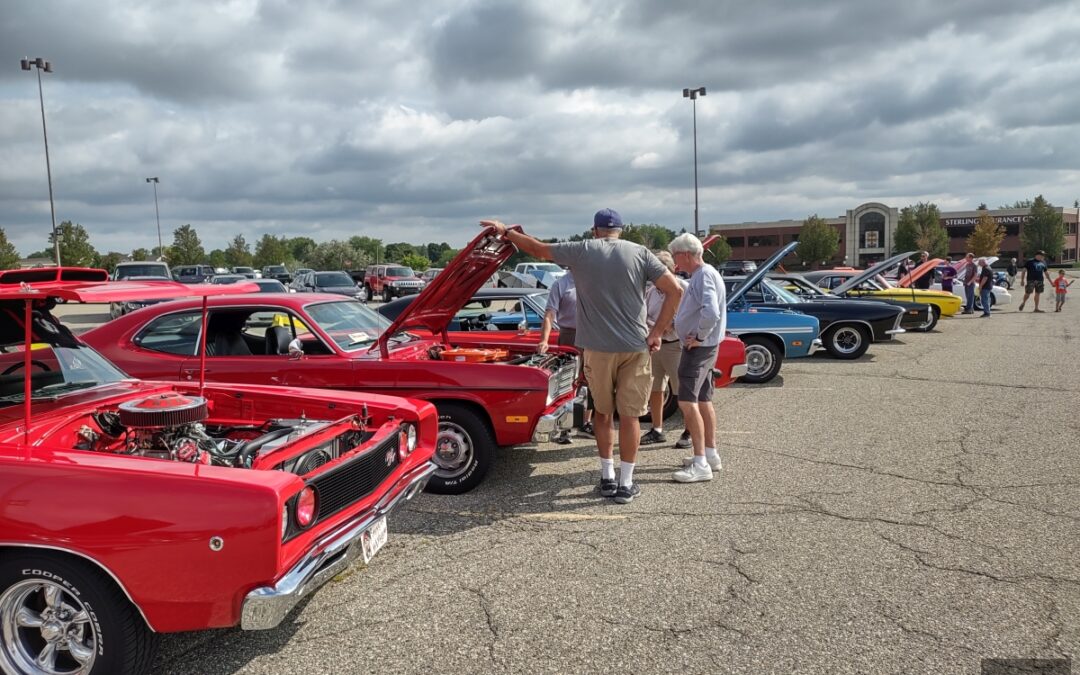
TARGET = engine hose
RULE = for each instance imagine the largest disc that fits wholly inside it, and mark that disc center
(244, 454)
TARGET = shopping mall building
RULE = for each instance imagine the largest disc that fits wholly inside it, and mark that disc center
(866, 233)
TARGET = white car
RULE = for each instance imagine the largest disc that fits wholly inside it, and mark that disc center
(999, 295)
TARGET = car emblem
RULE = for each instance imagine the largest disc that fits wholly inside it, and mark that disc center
(390, 455)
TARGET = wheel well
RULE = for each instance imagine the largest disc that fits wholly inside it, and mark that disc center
(14, 550)
(770, 337)
(472, 406)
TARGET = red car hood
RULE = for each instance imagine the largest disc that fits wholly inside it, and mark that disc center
(448, 292)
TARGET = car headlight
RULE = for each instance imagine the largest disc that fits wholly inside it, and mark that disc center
(553, 389)
(406, 440)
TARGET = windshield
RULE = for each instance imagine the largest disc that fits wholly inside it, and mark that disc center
(276, 269)
(400, 272)
(226, 279)
(269, 286)
(548, 267)
(782, 293)
(242, 270)
(350, 324)
(333, 279)
(59, 363)
(148, 270)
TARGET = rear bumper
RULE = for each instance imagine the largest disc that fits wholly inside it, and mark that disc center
(265, 607)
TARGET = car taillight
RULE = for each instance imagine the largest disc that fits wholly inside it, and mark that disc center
(284, 520)
(305, 507)
(406, 440)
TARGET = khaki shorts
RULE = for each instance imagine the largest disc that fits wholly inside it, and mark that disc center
(665, 365)
(619, 381)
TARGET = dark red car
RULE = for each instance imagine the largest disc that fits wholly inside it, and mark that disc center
(488, 394)
(130, 508)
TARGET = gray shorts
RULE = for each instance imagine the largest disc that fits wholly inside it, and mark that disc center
(695, 374)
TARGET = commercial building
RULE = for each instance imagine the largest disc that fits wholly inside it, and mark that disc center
(866, 233)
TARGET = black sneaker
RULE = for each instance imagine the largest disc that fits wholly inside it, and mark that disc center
(684, 441)
(651, 436)
(608, 487)
(586, 430)
(564, 438)
(625, 495)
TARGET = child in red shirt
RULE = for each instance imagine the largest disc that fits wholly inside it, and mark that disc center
(1061, 287)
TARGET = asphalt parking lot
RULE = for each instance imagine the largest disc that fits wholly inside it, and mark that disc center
(914, 511)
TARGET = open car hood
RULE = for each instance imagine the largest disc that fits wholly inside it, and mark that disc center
(919, 272)
(436, 305)
(870, 273)
(90, 285)
(757, 275)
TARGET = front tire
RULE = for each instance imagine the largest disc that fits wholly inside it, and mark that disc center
(935, 316)
(846, 341)
(763, 359)
(59, 615)
(464, 450)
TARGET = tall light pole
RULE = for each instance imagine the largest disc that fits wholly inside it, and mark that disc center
(157, 214)
(693, 94)
(41, 64)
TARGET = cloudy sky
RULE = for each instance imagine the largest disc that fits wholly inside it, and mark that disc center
(410, 121)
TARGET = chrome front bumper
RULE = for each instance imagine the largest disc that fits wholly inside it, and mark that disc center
(738, 370)
(555, 422)
(265, 607)
(815, 346)
(895, 331)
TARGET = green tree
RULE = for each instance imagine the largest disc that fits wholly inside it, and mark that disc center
(1018, 204)
(446, 256)
(109, 260)
(186, 248)
(238, 253)
(337, 255)
(633, 234)
(818, 241)
(9, 257)
(919, 228)
(370, 246)
(75, 248)
(718, 252)
(419, 263)
(301, 247)
(140, 254)
(653, 236)
(1044, 231)
(271, 250)
(435, 251)
(395, 252)
(987, 236)
(160, 253)
(981, 207)
(217, 258)
(43, 253)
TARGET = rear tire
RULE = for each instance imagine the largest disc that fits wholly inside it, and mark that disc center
(935, 316)
(55, 592)
(763, 359)
(464, 451)
(671, 403)
(846, 341)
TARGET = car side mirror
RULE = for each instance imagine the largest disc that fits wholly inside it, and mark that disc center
(296, 350)
(523, 327)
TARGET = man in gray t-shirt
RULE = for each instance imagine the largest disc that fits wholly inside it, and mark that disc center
(610, 275)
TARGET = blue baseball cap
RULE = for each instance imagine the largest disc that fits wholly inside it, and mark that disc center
(607, 218)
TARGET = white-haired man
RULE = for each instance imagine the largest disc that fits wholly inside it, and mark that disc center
(700, 324)
(610, 275)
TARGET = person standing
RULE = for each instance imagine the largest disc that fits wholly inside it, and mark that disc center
(1010, 273)
(948, 276)
(665, 361)
(926, 279)
(970, 275)
(1061, 289)
(986, 286)
(1031, 278)
(562, 312)
(610, 275)
(700, 324)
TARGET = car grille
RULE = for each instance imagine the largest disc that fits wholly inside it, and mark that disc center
(564, 377)
(355, 479)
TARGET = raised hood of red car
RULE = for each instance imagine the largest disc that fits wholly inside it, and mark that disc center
(448, 292)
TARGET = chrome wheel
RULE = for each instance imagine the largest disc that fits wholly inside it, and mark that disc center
(759, 360)
(46, 630)
(847, 340)
(453, 450)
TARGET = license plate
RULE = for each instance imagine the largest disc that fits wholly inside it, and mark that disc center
(373, 539)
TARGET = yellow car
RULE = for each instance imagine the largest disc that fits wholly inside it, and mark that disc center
(848, 282)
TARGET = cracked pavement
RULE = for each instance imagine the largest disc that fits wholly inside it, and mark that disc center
(913, 511)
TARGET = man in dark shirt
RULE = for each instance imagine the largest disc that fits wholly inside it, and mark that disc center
(986, 286)
(971, 275)
(926, 279)
(1031, 278)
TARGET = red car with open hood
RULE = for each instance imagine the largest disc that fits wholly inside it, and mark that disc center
(130, 508)
(487, 395)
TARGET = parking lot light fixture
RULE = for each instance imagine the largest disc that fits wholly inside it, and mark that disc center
(41, 64)
(693, 94)
(157, 214)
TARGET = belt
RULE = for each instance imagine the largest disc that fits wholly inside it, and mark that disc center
(667, 342)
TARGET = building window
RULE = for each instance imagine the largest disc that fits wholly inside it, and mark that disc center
(736, 242)
(764, 240)
(792, 237)
(872, 230)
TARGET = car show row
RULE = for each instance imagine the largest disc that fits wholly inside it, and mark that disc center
(218, 451)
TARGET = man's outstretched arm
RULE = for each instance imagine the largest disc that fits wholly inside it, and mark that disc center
(525, 243)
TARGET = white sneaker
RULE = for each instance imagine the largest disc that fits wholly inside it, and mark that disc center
(692, 474)
(714, 464)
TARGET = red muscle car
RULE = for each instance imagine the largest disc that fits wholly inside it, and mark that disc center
(130, 508)
(486, 395)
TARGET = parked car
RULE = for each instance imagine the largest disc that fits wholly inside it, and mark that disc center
(270, 286)
(134, 508)
(279, 272)
(246, 271)
(430, 273)
(391, 281)
(999, 294)
(337, 283)
(143, 268)
(192, 274)
(917, 316)
(224, 279)
(121, 308)
(738, 267)
(487, 394)
(545, 273)
(868, 282)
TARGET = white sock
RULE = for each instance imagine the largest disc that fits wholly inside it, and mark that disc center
(658, 427)
(699, 461)
(607, 469)
(711, 453)
(626, 473)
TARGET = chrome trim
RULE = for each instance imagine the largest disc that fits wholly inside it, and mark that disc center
(815, 346)
(559, 419)
(737, 331)
(100, 566)
(895, 331)
(738, 370)
(265, 607)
